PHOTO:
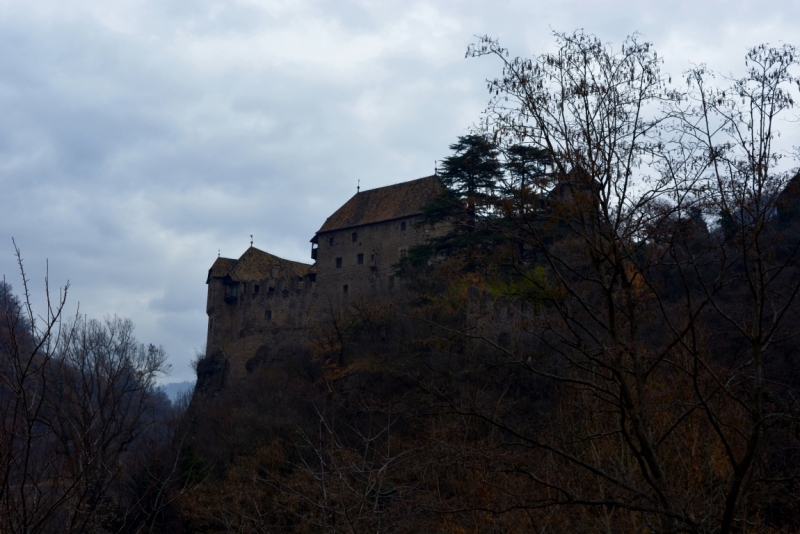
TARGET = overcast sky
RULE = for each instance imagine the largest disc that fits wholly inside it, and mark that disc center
(139, 138)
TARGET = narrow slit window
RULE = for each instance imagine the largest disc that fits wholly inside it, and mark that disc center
(338, 263)
(355, 236)
(360, 259)
(255, 289)
(344, 289)
(268, 315)
(403, 226)
(330, 241)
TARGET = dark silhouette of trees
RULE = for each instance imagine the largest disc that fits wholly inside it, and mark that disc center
(87, 441)
(660, 330)
(471, 175)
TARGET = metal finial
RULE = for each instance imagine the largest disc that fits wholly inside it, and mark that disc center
(358, 187)
(435, 167)
(251, 240)
(218, 253)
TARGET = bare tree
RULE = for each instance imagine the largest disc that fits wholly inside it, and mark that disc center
(657, 330)
(77, 404)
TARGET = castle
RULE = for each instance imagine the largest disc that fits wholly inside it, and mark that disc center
(261, 306)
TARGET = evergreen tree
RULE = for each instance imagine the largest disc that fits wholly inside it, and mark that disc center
(471, 175)
(529, 177)
(527, 168)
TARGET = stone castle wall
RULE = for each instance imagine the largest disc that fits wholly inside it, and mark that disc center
(262, 308)
(361, 259)
(276, 306)
(267, 316)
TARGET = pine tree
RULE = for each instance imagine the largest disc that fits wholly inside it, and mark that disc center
(471, 175)
(527, 168)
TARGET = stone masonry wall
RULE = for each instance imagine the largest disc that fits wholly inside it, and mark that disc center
(259, 324)
(272, 317)
(381, 246)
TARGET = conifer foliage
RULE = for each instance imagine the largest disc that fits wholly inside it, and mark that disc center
(471, 174)
(484, 188)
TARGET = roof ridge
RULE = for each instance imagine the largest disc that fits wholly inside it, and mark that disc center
(398, 184)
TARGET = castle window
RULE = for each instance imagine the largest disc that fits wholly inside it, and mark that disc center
(372, 257)
(270, 292)
(402, 253)
(338, 263)
(274, 272)
(330, 241)
(255, 289)
(344, 289)
(231, 292)
(360, 259)
(355, 236)
(268, 315)
(403, 226)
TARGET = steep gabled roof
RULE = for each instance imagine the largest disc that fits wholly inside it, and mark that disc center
(220, 268)
(384, 204)
(254, 265)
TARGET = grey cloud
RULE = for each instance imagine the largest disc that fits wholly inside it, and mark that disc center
(138, 138)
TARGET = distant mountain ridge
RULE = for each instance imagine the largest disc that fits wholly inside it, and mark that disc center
(174, 389)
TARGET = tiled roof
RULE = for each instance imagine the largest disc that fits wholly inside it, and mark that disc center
(255, 265)
(221, 268)
(384, 203)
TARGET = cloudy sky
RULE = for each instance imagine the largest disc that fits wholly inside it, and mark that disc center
(138, 138)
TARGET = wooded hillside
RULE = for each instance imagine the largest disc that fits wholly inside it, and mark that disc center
(606, 341)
